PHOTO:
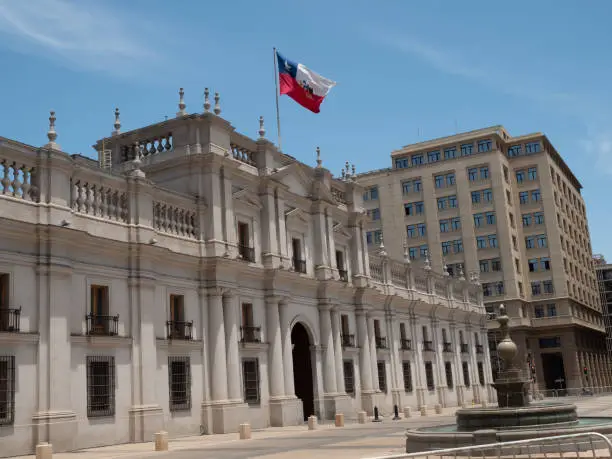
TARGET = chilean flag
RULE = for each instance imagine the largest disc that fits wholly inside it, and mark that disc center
(303, 85)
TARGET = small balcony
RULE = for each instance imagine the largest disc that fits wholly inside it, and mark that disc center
(246, 253)
(102, 325)
(343, 275)
(9, 320)
(348, 340)
(179, 330)
(299, 266)
(381, 342)
(250, 334)
(464, 348)
(447, 347)
(479, 349)
(427, 345)
(406, 344)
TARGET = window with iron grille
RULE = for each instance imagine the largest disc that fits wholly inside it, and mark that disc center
(448, 368)
(349, 377)
(429, 376)
(382, 376)
(466, 374)
(7, 389)
(481, 377)
(179, 382)
(407, 375)
(250, 376)
(100, 386)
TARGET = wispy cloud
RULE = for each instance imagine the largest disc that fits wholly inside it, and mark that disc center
(86, 34)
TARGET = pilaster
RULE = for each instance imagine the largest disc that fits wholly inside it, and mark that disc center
(365, 367)
(420, 366)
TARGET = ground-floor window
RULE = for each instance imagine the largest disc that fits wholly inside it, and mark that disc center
(407, 375)
(7, 389)
(349, 377)
(448, 369)
(100, 386)
(382, 376)
(250, 377)
(179, 382)
(481, 377)
(466, 374)
(429, 376)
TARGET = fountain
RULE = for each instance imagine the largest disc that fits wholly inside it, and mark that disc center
(515, 418)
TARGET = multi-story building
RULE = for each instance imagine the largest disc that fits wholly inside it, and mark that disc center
(604, 280)
(508, 210)
(194, 279)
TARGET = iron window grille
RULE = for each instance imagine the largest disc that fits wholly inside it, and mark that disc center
(466, 374)
(429, 376)
(382, 376)
(100, 386)
(179, 382)
(349, 377)
(250, 375)
(7, 389)
(407, 375)
(481, 377)
(449, 374)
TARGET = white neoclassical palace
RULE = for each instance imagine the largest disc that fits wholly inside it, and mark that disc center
(194, 279)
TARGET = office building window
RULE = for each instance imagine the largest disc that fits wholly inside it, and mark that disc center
(455, 223)
(495, 264)
(484, 173)
(401, 163)
(475, 197)
(484, 266)
(444, 226)
(536, 288)
(7, 389)
(520, 176)
(548, 287)
(421, 229)
(466, 374)
(539, 311)
(490, 218)
(411, 231)
(535, 196)
(349, 377)
(514, 150)
(526, 220)
(541, 241)
(532, 173)
(446, 245)
(478, 219)
(538, 218)
(450, 179)
(545, 264)
(532, 147)
(473, 174)
(484, 145)
(452, 201)
(487, 195)
(551, 310)
(466, 149)
(481, 242)
(492, 240)
(433, 156)
(524, 197)
(450, 153)
(533, 265)
(416, 160)
(529, 242)
(458, 246)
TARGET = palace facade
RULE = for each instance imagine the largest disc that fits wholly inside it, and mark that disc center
(193, 279)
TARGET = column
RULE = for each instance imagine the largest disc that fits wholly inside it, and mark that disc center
(329, 371)
(275, 351)
(364, 352)
(287, 349)
(582, 364)
(396, 361)
(335, 318)
(419, 365)
(203, 302)
(230, 310)
(373, 354)
(217, 345)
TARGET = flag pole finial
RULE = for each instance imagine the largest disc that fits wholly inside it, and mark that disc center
(181, 104)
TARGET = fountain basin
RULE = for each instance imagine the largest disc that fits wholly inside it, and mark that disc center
(559, 414)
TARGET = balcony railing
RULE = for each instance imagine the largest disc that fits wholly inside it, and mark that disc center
(299, 265)
(9, 319)
(381, 342)
(343, 275)
(348, 340)
(406, 344)
(464, 348)
(479, 349)
(246, 253)
(250, 334)
(102, 325)
(427, 345)
(447, 347)
(179, 329)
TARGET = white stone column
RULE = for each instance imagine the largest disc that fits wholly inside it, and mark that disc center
(230, 311)
(336, 331)
(397, 385)
(419, 365)
(275, 351)
(364, 353)
(217, 346)
(373, 354)
(329, 371)
(287, 349)
(204, 335)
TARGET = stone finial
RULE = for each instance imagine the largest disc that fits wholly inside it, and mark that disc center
(406, 255)
(381, 250)
(181, 103)
(427, 263)
(117, 124)
(262, 129)
(353, 170)
(206, 100)
(445, 270)
(136, 163)
(319, 161)
(51, 134)
(343, 174)
(217, 108)
(460, 273)
(346, 166)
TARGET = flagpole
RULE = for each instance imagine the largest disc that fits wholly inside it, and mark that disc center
(277, 109)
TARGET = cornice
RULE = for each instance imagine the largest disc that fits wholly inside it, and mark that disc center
(7, 338)
(101, 341)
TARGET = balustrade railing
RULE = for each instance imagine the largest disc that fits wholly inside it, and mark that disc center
(175, 220)
(98, 200)
(299, 265)
(447, 347)
(428, 345)
(181, 330)
(381, 342)
(243, 154)
(348, 340)
(246, 253)
(18, 180)
(440, 287)
(406, 344)
(398, 274)
(147, 147)
(10, 320)
(250, 334)
(343, 275)
(420, 282)
(376, 271)
(102, 325)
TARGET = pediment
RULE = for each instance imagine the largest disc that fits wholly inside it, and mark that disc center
(320, 191)
(341, 230)
(246, 196)
(296, 215)
(294, 178)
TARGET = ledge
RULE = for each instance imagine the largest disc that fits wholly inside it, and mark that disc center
(350, 350)
(254, 346)
(179, 343)
(101, 341)
(18, 338)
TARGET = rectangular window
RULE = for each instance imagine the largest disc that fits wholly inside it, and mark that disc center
(419, 208)
(481, 242)
(466, 149)
(376, 214)
(382, 376)
(524, 197)
(532, 147)
(456, 223)
(473, 174)
(475, 197)
(548, 287)
(408, 209)
(541, 240)
(444, 226)
(478, 218)
(423, 250)
(433, 156)
(406, 187)
(412, 252)
(492, 240)
(179, 382)
(545, 264)
(526, 220)
(481, 378)
(452, 201)
(496, 264)
(373, 193)
(429, 376)
(532, 173)
(551, 310)
(536, 288)
(520, 176)
(416, 184)
(546, 343)
(533, 265)
(407, 370)
(458, 246)
(539, 312)
(421, 229)
(439, 181)
(349, 377)
(7, 389)
(448, 369)
(490, 218)
(401, 163)
(514, 150)
(416, 160)
(484, 145)
(411, 231)
(100, 386)
(529, 242)
(538, 218)
(487, 195)
(466, 374)
(442, 203)
(484, 266)
(450, 153)
(535, 196)
(484, 173)
(486, 289)
(446, 247)
(177, 309)
(450, 179)
(250, 381)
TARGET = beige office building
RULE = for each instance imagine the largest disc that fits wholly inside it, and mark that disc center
(508, 210)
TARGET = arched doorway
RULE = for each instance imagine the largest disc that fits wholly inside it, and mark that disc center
(302, 368)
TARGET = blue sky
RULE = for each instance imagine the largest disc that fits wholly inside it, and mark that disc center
(406, 71)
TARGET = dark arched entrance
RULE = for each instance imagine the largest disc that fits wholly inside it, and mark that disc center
(302, 368)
